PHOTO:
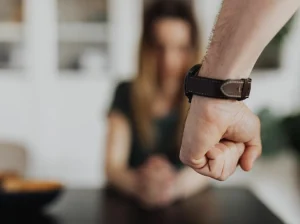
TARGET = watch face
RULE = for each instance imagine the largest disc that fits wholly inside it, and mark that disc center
(192, 72)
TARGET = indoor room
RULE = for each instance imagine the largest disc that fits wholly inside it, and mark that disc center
(92, 114)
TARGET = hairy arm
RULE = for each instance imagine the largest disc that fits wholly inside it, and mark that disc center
(242, 30)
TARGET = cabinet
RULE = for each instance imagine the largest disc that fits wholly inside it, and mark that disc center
(11, 36)
(58, 112)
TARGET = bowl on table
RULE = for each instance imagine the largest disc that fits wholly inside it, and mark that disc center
(17, 194)
(8, 175)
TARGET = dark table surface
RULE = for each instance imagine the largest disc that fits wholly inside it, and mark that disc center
(213, 206)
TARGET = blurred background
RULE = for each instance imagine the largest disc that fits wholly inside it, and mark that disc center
(61, 60)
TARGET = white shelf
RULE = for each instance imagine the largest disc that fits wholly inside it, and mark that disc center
(10, 32)
(83, 32)
(69, 74)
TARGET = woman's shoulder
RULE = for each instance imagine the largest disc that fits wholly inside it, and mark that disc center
(121, 100)
(123, 88)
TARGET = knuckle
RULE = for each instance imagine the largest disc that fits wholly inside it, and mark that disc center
(222, 178)
(227, 146)
(220, 160)
(215, 174)
(219, 157)
(257, 121)
(259, 152)
(223, 175)
(216, 154)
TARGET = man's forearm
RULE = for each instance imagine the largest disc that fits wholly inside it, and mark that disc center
(242, 30)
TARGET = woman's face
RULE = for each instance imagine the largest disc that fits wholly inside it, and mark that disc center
(173, 46)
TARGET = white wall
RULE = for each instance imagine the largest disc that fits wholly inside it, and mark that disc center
(62, 120)
(16, 109)
(279, 89)
(125, 20)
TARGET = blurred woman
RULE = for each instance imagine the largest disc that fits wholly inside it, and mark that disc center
(147, 114)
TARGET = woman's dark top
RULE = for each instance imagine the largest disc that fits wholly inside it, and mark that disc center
(165, 130)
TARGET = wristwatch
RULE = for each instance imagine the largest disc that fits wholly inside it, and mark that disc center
(236, 89)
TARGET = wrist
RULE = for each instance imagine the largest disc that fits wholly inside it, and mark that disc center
(209, 104)
(177, 192)
(130, 183)
(136, 187)
(229, 89)
(220, 71)
(210, 108)
(181, 190)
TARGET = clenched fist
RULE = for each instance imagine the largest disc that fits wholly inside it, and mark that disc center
(218, 136)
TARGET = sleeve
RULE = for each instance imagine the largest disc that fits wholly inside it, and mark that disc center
(121, 100)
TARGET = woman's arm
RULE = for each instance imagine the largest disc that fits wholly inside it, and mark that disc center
(188, 182)
(117, 155)
(125, 179)
(167, 185)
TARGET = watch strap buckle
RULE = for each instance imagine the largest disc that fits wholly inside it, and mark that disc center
(238, 89)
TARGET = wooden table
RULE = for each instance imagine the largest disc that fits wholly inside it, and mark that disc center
(213, 206)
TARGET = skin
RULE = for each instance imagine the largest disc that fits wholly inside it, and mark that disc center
(221, 134)
(156, 183)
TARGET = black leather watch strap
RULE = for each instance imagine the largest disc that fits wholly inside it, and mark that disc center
(238, 89)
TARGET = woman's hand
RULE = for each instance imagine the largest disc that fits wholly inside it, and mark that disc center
(156, 182)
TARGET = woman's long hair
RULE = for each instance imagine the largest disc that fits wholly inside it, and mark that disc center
(146, 82)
